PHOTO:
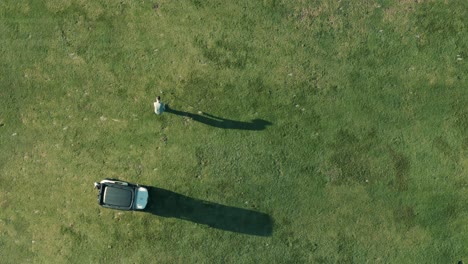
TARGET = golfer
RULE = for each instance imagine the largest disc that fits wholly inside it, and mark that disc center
(158, 106)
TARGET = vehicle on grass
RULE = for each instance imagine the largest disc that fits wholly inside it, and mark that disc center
(121, 195)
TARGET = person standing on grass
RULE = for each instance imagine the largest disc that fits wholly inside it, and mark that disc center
(159, 107)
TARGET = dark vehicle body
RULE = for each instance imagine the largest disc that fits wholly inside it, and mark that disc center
(121, 195)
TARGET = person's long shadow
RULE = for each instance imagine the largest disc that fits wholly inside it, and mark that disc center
(166, 203)
(214, 121)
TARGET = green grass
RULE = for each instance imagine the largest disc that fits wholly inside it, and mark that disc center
(365, 159)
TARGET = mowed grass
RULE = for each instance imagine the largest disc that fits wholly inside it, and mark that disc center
(364, 160)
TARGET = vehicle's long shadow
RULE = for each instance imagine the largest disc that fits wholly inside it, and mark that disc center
(170, 204)
(214, 121)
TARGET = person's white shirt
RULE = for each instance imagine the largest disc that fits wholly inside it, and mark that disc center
(159, 107)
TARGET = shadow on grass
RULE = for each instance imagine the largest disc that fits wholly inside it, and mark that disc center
(170, 204)
(214, 121)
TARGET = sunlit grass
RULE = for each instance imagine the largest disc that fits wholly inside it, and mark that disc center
(363, 160)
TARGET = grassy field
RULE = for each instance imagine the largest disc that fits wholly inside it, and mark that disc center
(300, 131)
